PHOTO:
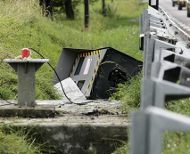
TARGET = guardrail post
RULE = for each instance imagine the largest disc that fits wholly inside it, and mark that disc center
(166, 77)
(147, 128)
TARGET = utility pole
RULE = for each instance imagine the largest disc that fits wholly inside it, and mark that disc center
(154, 4)
(86, 13)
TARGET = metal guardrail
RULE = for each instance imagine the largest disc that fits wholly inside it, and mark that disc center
(148, 126)
(166, 59)
(166, 69)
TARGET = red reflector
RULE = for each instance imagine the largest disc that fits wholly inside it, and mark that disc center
(25, 53)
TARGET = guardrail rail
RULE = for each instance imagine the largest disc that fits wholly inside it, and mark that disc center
(166, 75)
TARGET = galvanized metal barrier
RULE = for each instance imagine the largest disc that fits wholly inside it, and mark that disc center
(166, 60)
(166, 69)
(149, 125)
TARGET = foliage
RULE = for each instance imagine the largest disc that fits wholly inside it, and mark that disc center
(122, 150)
(13, 143)
(22, 25)
(180, 106)
(59, 7)
(129, 94)
(176, 142)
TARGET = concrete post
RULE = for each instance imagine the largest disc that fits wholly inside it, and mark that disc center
(26, 79)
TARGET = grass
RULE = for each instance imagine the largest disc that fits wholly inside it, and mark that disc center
(13, 143)
(122, 150)
(177, 141)
(129, 94)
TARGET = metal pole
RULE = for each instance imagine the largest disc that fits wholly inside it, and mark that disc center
(86, 13)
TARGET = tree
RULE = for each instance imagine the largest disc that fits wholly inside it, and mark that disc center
(104, 12)
(86, 13)
(46, 7)
(69, 9)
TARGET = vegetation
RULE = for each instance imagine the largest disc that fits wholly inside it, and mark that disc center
(22, 25)
(14, 143)
(176, 142)
(122, 150)
(129, 94)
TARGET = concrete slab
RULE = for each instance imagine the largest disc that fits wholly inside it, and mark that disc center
(13, 111)
(98, 127)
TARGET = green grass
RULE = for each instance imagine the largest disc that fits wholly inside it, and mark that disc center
(179, 106)
(129, 94)
(122, 150)
(13, 143)
(177, 141)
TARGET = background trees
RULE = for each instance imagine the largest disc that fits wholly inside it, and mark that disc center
(67, 6)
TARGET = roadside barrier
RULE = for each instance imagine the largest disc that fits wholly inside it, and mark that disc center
(166, 76)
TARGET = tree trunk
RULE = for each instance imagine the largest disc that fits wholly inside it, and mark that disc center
(46, 7)
(104, 12)
(69, 9)
(86, 13)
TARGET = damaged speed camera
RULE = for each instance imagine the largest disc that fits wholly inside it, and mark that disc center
(96, 72)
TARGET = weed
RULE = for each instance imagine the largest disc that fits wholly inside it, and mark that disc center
(129, 94)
